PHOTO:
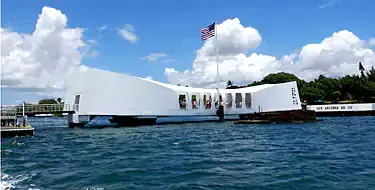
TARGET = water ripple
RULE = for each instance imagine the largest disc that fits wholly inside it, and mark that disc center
(338, 153)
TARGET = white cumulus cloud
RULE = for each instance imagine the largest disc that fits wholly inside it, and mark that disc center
(158, 57)
(149, 78)
(127, 32)
(329, 3)
(44, 59)
(372, 41)
(93, 42)
(154, 56)
(102, 28)
(233, 38)
(336, 55)
(169, 60)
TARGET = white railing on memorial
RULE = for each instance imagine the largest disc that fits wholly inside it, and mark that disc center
(39, 108)
(8, 111)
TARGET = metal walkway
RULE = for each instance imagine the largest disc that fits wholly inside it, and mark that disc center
(32, 110)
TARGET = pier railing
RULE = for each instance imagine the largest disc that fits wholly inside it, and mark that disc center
(8, 112)
(40, 109)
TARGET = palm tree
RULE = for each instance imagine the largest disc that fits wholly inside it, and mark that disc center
(362, 69)
(58, 100)
(229, 83)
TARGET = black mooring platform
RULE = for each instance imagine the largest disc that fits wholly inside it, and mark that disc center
(16, 131)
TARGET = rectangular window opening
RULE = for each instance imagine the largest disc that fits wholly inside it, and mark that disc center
(207, 101)
(248, 100)
(238, 100)
(229, 100)
(182, 101)
(195, 100)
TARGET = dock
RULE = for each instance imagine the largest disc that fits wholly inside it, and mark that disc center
(279, 117)
(12, 126)
(16, 131)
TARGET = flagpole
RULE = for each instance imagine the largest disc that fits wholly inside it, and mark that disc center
(217, 57)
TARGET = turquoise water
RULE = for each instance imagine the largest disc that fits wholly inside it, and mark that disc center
(337, 153)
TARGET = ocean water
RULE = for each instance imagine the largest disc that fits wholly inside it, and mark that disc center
(337, 153)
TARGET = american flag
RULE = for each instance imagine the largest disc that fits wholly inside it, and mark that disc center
(208, 32)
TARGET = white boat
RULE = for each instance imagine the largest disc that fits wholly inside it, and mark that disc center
(97, 92)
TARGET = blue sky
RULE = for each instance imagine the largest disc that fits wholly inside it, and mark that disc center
(172, 28)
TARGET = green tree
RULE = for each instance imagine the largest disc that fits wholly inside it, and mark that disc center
(370, 75)
(47, 101)
(59, 101)
(279, 78)
(336, 95)
(355, 88)
(229, 83)
(328, 85)
(311, 94)
(362, 69)
(255, 83)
